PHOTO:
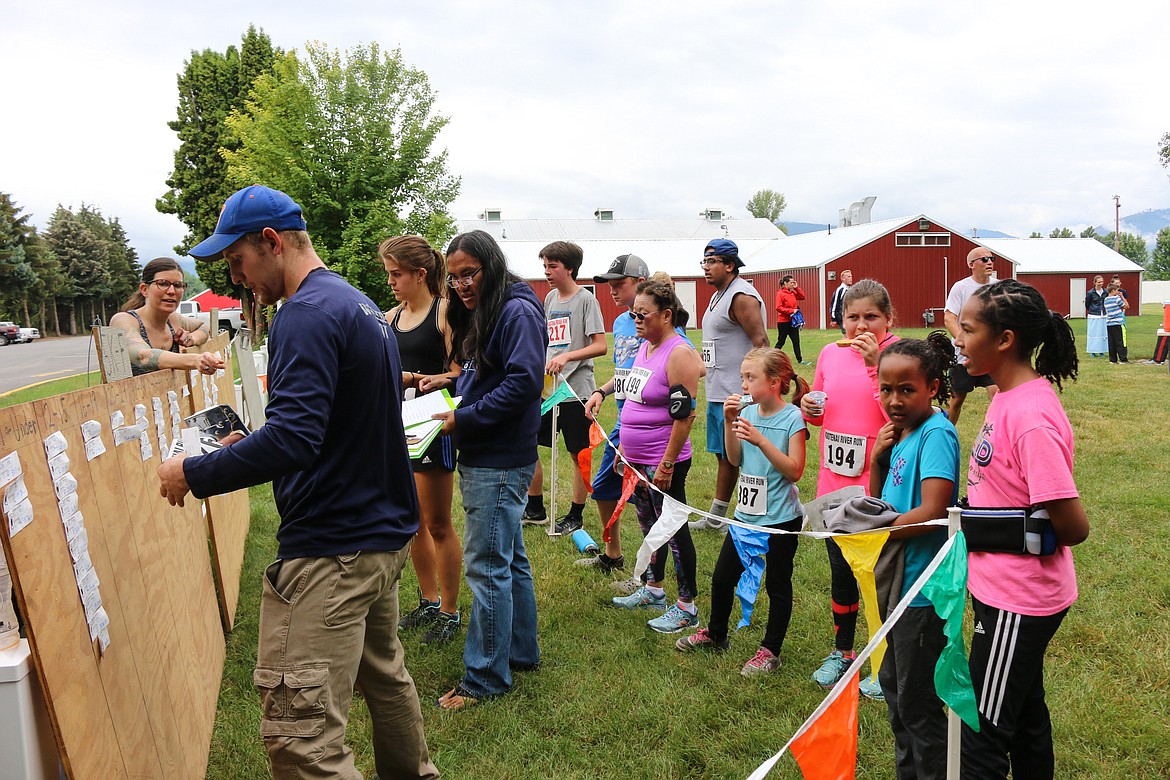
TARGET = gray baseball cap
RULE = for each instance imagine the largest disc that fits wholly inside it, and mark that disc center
(622, 266)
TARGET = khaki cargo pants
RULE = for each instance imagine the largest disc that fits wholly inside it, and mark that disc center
(328, 625)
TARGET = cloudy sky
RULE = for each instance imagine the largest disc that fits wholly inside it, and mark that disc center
(1013, 116)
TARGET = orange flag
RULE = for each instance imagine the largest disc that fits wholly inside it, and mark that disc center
(828, 749)
(585, 456)
(629, 482)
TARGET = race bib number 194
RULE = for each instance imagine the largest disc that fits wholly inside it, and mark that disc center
(844, 454)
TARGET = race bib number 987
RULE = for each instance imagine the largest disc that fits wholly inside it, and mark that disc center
(844, 454)
(753, 495)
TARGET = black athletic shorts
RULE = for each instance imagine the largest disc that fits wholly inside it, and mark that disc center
(572, 425)
(962, 382)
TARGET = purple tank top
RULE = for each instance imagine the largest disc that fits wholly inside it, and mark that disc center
(646, 420)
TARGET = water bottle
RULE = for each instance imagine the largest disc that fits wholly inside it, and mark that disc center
(585, 542)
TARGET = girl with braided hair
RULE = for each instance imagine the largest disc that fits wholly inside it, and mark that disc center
(1023, 458)
(915, 468)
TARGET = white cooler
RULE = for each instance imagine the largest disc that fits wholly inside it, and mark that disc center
(27, 748)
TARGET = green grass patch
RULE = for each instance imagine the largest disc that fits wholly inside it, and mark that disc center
(50, 388)
(614, 699)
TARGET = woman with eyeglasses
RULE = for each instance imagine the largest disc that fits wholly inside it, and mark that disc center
(656, 426)
(154, 328)
(499, 336)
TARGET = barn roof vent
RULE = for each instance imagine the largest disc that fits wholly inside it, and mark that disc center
(491, 215)
(604, 215)
(858, 213)
(713, 215)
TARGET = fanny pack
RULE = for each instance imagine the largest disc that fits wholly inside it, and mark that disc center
(1018, 531)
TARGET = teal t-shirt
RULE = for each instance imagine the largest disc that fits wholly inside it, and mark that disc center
(930, 451)
(764, 496)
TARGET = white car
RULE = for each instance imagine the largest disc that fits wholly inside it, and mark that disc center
(28, 334)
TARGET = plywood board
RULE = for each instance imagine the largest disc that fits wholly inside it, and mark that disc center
(143, 706)
(228, 515)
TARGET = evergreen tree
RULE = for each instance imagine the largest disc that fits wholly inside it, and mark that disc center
(211, 85)
(1159, 266)
(1131, 246)
(84, 258)
(17, 275)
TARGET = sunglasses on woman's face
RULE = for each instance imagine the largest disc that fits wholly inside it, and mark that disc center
(641, 316)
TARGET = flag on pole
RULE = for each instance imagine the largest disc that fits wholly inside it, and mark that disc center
(862, 552)
(947, 591)
(827, 750)
(562, 393)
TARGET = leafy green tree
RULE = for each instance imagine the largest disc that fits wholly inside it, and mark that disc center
(1131, 246)
(1089, 232)
(1159, 266)
(767, 204)
(121, 261)
(1061, 233)
(348, 136)
(1164, 150)
(1035, 234)
(50, 281)
(195, 285)
(211, 85)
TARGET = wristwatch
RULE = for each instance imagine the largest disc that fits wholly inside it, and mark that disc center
(667, 465)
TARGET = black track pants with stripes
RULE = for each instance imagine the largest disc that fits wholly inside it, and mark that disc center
(1007, 669)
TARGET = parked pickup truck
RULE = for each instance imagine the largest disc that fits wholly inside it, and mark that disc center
(230, 320)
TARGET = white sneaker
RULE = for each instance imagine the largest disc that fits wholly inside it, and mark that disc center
(706, 524)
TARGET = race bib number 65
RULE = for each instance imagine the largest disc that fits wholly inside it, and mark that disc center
(844, 454)
(709, 354)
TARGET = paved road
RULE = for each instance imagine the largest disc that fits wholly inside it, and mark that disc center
(44, 359)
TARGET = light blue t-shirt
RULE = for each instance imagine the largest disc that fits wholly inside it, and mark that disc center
(783, 501)
(930, 451)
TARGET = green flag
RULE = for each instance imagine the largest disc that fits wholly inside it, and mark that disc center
(947, 590)
(563, 393)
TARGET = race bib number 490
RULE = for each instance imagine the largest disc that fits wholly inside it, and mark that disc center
(558, 332)
(844, 454)
(619, 383)
(753, 495)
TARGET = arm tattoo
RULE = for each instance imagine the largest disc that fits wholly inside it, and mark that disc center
(147, 358)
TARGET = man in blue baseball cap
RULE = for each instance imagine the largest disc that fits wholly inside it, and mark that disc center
(335, 451)
(734, 323)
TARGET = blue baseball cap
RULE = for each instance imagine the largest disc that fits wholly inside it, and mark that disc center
(250, 210)
(725, 248)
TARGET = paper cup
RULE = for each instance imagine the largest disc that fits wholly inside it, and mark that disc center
(817, 398)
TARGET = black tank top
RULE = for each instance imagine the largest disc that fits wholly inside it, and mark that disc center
(423, 349)
(137, 370)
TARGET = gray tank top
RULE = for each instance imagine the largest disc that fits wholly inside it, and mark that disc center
(725, 342)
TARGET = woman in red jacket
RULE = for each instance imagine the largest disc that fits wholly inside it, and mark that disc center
(787, 298)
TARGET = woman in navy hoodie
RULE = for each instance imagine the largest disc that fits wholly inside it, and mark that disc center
(499, 335)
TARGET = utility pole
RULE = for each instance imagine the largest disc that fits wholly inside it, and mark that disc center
(1117, 225)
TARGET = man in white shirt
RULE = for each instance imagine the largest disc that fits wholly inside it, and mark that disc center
(837, 304)
(981, 261)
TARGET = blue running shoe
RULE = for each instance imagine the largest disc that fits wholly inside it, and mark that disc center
(832, 669)
(872, 689)
(642, 598)
(673, 621)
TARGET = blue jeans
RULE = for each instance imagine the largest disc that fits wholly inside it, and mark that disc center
(501, 633)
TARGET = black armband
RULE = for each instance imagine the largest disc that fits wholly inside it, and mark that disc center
(682, 404)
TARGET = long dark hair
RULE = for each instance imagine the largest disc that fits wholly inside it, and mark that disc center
(935, 355)
(152, 269)
(471, 329)
(1020, 308)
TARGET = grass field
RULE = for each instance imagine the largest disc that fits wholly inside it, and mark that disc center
(50, 388)
(614, 699)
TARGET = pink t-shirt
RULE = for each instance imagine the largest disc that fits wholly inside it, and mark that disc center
(646, 420)
(853, 416)
(1022, 456)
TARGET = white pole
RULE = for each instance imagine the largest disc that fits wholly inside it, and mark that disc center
(954, 723)
(552, 497)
